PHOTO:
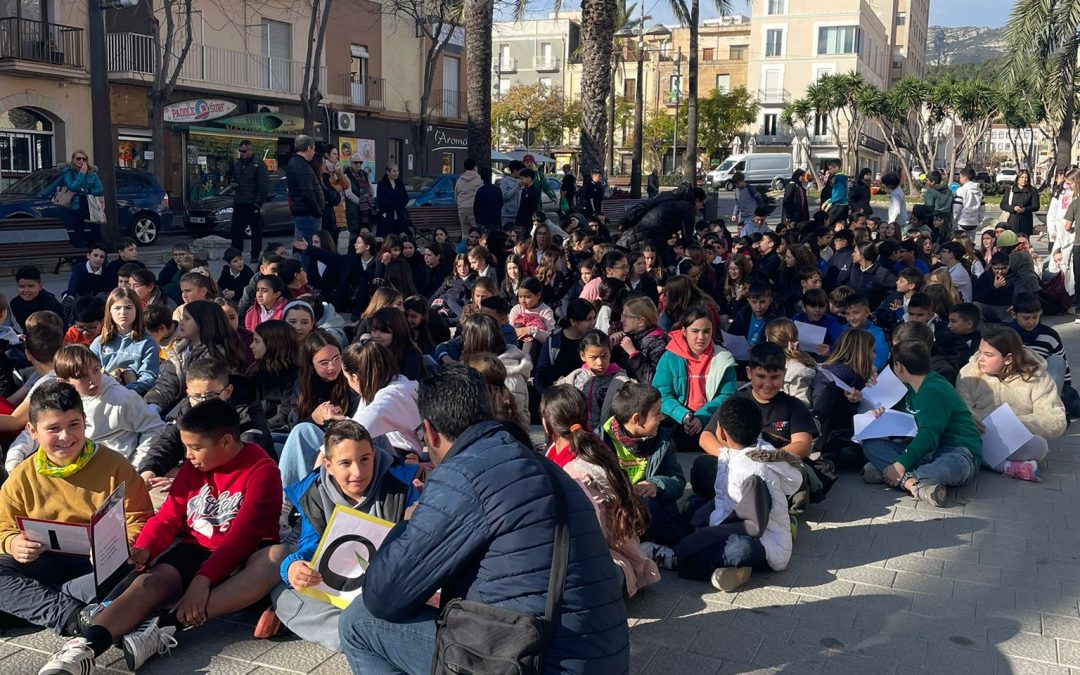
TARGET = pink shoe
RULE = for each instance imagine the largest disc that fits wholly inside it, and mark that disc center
(1025, 470)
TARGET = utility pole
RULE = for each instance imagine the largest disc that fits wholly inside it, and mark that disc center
(639, 104)
(678, 99)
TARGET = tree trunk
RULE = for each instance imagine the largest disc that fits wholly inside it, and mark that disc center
(478, 15)
(311, 94)
(597, 33)
(1063, 142)
(690, 158)
(609, 160)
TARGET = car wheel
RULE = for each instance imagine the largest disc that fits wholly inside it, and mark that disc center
(145, 228)
(778, 184)
(729, 186)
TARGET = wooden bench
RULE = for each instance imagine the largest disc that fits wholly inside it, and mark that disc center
(426, 218)
(23, 240)
(615, 209)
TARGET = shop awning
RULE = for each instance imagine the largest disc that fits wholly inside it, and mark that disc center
(497, 156)
(274, 123)
(519, 154)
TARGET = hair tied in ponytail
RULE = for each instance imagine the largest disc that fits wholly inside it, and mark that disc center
(575, 427)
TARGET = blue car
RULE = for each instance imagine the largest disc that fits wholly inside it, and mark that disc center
(431, 190)
(141, 203)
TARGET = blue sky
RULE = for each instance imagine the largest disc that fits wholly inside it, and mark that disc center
(942, 12)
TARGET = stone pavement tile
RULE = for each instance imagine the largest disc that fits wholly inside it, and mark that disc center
(987, 574)
(910, 651)
(1009, 619)
(1011, 561)
(673, 633)
(335, 665)
(652, 603)
(682, 662)
(868, 575)
(964, 552)
(829, 589)
(942, 657)
(23, 661)
(1061, 567)
(717, 614)
(1061, 627)
(999, 542)
(924, 583)
(953, 632)
(827, 632)
(985, 595)
(734, 668)
(1047, 602)
(1067, 650)
(944, 607)
(764, 621)
(298, 655)
(640, 655)
(39, 640)
(1029, 531)
(843, 663)
(1024, 645)
(225, 638)
(773, 598)
(184, 662)
(733, 644)
(788, 657)
(915, 563)
(1013, 665)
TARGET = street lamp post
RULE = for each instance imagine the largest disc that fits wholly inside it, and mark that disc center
(678, 98)
(639, 113)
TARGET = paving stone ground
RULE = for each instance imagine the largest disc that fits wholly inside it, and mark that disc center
(878, 583)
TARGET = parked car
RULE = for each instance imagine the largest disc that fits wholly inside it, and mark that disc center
(982, 177)
(764, 168)
(214, 214)
(142, 205)
(439, 191)
(1006, 174)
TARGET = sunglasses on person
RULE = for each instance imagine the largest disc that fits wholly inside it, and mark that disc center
(81, 159)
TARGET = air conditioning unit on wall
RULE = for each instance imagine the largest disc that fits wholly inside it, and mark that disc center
(344, 121)
(263, 108)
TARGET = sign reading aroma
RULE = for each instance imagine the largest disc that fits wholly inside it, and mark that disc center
(199, 110)
(449, 139)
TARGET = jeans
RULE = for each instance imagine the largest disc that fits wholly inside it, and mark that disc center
(377, 647)
(299, 452)
(244, 216)
(48, 592)
(945, 466)
(305, 228)
(1055, 367)
(1036, 449)
(78, 218)
(723, 545)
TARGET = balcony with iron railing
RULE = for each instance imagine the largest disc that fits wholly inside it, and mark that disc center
(364, 92)
(546, 64)
(447, 103)
(506, 65)
(773, 96)
(131, 56)
(40, 49)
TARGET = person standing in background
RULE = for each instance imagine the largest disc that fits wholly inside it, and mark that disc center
(465, 194)
(251, 184)
(653, 186)
(567, 190)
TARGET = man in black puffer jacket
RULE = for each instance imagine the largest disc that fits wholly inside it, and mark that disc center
(484, 531)
(660, 217)
(306, 196)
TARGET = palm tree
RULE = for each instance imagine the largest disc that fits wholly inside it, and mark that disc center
(597, 41)
(800, 114)
(1046, 32)
(477, 19)
(842, 99)
(690, 15)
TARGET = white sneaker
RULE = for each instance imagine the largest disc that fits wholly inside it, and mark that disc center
(729, 579)
(74, 658)
(147, 640)
(663, 556)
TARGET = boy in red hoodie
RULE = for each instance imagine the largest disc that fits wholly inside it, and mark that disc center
(223, 507)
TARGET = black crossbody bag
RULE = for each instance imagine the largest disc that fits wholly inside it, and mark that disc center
(472, 638)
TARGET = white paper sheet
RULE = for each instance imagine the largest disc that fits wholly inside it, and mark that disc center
(885, 393)
(891, 423)
(108, 537)
(836, 380)
(348, 544)
(810, 336)
(737, 345)
(56, 536)
(1005, 433)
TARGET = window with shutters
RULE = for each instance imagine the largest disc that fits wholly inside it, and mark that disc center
(277, 52)
(774, 42)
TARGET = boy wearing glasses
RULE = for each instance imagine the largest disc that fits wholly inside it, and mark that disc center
(206, 379)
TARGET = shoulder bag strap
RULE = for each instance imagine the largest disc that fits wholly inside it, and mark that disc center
(560, 557)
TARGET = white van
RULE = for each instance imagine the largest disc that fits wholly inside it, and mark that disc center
(763, 168)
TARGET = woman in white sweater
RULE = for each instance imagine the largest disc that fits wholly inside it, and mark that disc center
(1004, 371)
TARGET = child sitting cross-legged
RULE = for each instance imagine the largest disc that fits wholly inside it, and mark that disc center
(67, 480)
(749, 528)
(351, 473)
(224, 506)
(623, 517)
(947, 447)
(598, 378)
(116, 417)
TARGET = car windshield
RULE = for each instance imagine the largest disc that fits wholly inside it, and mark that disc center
(725, 165)
(419, 183)
(34, 184)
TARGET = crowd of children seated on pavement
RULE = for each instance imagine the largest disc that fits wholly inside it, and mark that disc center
(239, 411)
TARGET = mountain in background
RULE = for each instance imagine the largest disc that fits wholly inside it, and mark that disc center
(965, 44)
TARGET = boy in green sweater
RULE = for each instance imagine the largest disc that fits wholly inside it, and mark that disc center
(947, 448)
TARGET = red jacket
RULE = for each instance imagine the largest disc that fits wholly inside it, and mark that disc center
(228, 511)
(253, 316)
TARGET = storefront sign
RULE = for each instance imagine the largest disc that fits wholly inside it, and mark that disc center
(449, 139)
(199, 110)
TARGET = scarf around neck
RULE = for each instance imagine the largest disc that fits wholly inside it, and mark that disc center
(44, 467)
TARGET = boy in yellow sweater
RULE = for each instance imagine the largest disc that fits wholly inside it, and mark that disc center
(66, 480)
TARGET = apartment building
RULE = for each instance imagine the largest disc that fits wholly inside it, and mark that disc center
(44, 86)
(537, 51)
(909, 21)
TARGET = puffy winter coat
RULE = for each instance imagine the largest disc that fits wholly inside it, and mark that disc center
(483, 530)
(1036, 401)
(518, 370)
(673, 380)
(666, 214)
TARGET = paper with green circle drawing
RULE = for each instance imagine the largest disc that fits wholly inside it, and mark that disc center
(347, 546)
